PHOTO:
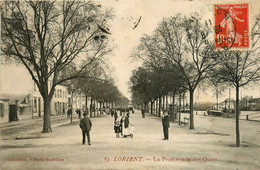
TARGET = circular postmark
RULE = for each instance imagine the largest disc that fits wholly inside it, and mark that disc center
(225, 28)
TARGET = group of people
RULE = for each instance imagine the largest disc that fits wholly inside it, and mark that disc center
(78, 112)
(119, 126)
(122, 125)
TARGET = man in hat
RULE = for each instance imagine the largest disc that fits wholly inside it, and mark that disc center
(143, 113)
(85, 125)
(166, 125)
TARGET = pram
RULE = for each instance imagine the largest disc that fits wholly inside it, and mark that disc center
(130, 130)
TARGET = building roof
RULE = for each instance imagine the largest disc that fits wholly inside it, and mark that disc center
(12, 97)
(254, 100)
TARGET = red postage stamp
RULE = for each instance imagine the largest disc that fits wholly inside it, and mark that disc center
(232, 26)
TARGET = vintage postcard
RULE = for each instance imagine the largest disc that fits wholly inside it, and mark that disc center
(130, 84)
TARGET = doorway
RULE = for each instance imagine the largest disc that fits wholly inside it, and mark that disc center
(12, 113)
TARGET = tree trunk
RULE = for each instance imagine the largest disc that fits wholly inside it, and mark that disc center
(154, 111)
(47, 116)
(156, 107)
(237, 117)
(86, 104)
(163, 105)
(183, 102)
(94, 107)
(71, 115)
(180, 109)
(91, 107)
(229, 101)
(160, 105)
(173, 107)
(217, 99)
(167, 105)
(147, 107)
(191, 109)
(100, 111)
(151, 107)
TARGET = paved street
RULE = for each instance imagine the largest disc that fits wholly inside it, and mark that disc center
(209, 146)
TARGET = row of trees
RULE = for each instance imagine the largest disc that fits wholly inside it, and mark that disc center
(102, 93)
(57, 41)
(180, 55)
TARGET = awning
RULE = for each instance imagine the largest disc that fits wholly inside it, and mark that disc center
(23, 105)
(12, 97)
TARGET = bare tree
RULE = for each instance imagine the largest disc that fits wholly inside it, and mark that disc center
(218, 87)
(47, 36)
(240, 68)
(183, 42)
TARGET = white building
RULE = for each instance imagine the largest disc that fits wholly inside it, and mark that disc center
(18, 92)
(225, 105)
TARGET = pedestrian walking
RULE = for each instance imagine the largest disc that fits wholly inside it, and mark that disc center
(112, 112)
(69, 112)
(143, 113)
(121, 111)
(126, 125)
(122, 124)
(127, 120)
(166, 125)
(85, 125)
(115, 115)
(78, 111)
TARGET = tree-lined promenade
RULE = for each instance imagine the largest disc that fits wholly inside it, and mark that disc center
(205, 147)
(180, 55)
(67, 42)
(61, 43)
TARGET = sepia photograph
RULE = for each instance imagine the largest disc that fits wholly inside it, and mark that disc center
(130, 84)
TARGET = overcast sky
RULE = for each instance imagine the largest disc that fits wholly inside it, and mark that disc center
(127, 14)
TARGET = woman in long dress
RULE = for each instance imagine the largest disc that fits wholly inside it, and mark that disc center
(122, 123)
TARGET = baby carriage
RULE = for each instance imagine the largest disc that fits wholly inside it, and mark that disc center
(130, 130)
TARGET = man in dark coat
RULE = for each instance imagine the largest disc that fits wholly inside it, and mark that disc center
(166, 125)
(143, 113)
(85, 125)
(69, 112)
(121, 111)
(78, 111)
(116, 116)
(127, 121)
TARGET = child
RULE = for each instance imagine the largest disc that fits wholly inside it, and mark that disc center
(117, 128)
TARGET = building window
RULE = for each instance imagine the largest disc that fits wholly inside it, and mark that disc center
(34, 104)
(1, 110)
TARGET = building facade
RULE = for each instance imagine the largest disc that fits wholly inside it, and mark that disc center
(20, 97)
